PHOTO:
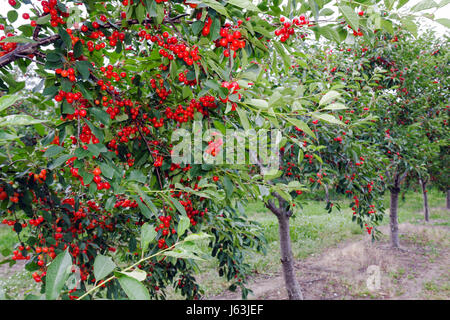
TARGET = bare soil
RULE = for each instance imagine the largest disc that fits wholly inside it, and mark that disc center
(6, 271)
(420, 269)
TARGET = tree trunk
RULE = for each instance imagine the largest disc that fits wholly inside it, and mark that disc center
(327, 194)
(287, 260)
(448, 199)
(393, 222)
(426, 210)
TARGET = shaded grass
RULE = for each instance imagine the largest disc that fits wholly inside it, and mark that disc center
(8, 239)
(16, 282)
(18, 285)
(411, 209)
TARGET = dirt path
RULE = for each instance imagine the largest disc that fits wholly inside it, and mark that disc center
(419, 270)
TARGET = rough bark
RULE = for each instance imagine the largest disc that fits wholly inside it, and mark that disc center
(287, 260)
(393, 216)
(426, 209)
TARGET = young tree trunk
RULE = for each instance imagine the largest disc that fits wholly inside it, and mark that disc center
(287, 259)
(327, 194)
(448, 199)
(426, 211)
(393, 216)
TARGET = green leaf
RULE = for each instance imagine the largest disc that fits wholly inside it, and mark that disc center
(53, 150)
(18, 120)
(181, 253)
(8, 100)
(387, 25)
(300, 156)
(409, 25)
(294, 185)
(62, 159)
(424, 5)
(144, 209)
(107, 171)
(444, 21)
(65, 37)
(243, 116)
(228, 184)
(77, 49)
(350, 16)
(12, 16)
(328, 97)
(326, 12)
(137, 175)
(87, 177)
(96, 131)
(18, 39)
(259, 103)
(96, 149)
(197, 236)
(183, 225)
(335, 106)
(178, 205)
(314, 8)
(329, 33)
(83, 68)
(401, 3)
(197, 26)
(280, 50)
(327, 117)
(57, 274)
(134, 289)
(138, 274)
(244, 4)
(100, 115)
(44, 19)
(148, 234)
(216, 6)
(103, 266)
(302, 126)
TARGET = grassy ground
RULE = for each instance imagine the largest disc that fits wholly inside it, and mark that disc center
(8, 238)
(312, 231)
(15, 281)
(315, 229)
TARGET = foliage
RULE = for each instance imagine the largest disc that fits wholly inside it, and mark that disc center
(93, 178)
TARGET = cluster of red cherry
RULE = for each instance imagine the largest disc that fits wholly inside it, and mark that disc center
(168, 43)
(7, 47)
(287, 28)
(165, 225)
(48, 7)
(181, 114)
(231, 40)
(162, 92)
(182, 78)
